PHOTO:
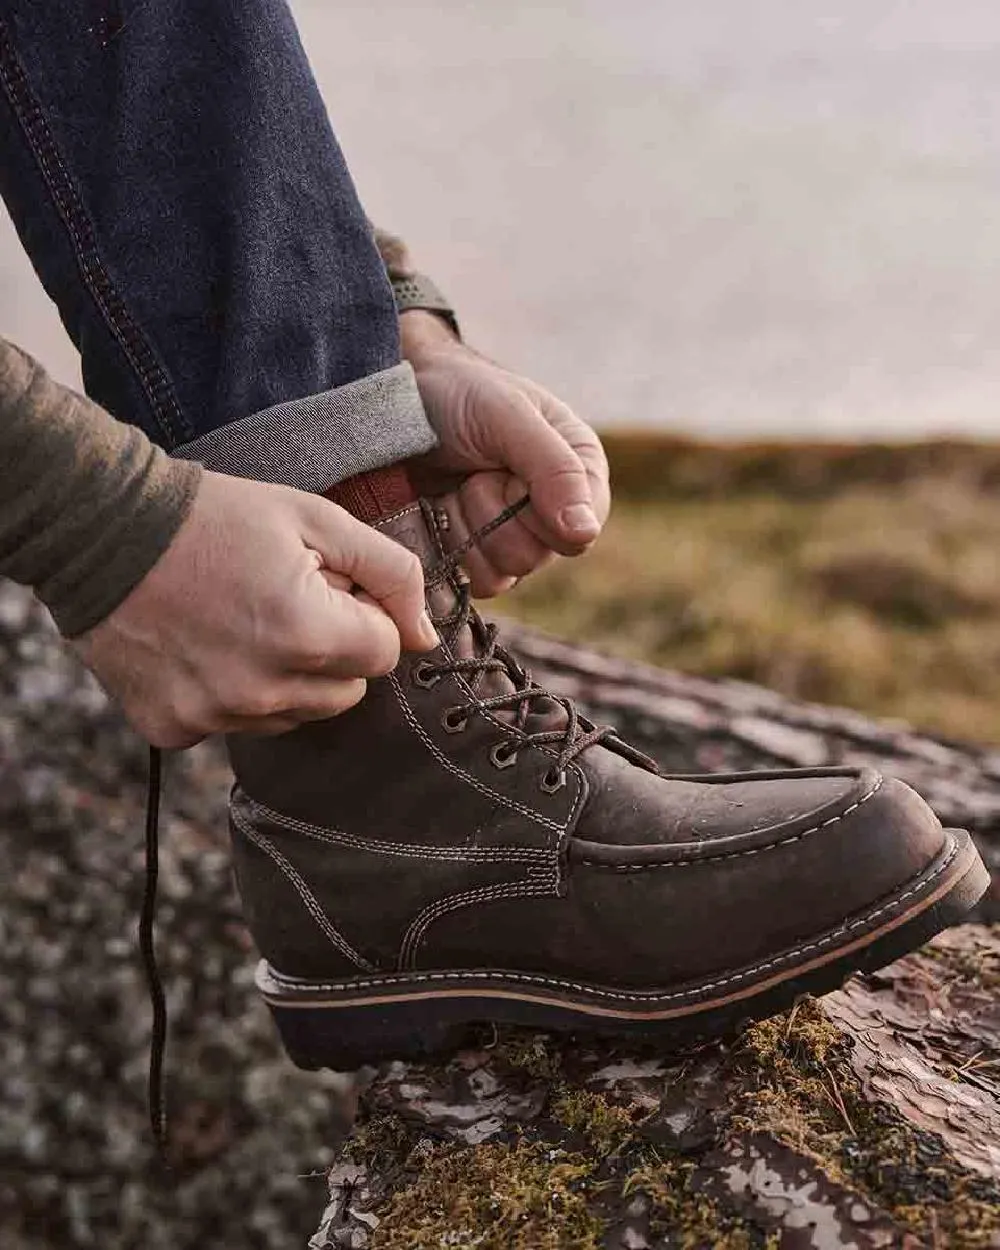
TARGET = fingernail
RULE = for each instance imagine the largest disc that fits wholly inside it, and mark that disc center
(580, 520)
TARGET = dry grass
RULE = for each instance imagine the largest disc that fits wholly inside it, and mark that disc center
(870, 578)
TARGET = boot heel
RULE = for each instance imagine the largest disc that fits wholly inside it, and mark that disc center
(345, 1039)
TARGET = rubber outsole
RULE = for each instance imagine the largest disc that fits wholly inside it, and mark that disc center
(367, 1020)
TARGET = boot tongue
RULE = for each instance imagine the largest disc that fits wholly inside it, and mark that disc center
(418, 530)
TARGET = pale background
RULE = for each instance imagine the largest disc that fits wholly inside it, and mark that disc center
(735, 217)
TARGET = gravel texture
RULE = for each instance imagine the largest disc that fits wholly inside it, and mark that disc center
(251, 1136)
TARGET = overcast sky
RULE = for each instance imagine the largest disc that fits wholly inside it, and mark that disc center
(739, 217)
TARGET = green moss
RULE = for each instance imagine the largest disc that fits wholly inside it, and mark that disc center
(691, 1220)
(535, 1053)
(800, 1089)
(525, 1196)
(380, 1142)
(912, 1175)
(789, 1078)
(606, 1126)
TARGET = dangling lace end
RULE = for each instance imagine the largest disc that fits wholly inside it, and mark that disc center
(157, 1049)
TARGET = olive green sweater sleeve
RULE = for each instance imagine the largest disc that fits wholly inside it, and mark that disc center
(87, 504)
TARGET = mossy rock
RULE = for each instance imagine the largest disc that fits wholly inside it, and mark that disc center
(782, 1137)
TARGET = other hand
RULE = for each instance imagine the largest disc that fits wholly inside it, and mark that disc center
(269, 608)
(503, 436)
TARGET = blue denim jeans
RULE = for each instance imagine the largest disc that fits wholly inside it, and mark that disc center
(172, 173)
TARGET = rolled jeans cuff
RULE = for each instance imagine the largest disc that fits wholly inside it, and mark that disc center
(313, 443)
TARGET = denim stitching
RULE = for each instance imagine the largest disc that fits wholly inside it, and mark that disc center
(111, 305)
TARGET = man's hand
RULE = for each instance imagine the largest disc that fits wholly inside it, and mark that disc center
(507, 437)
(269, 608)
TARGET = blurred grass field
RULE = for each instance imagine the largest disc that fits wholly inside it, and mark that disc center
(867, 576)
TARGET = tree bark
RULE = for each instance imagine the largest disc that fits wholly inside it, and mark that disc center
(868, 1119)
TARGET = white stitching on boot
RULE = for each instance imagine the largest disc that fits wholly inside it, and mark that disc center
(525, 978)
(307, 896)
(537, 883)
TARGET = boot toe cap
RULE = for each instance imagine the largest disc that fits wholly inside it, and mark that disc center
(714, 903)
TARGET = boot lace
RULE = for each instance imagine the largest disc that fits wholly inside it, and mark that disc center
(574, 737)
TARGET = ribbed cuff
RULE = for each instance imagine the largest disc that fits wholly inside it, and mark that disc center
(314, 442)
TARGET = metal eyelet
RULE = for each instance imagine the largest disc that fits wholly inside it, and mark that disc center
(552, 780)
(423, 675)
(504, 755)
(455, 719)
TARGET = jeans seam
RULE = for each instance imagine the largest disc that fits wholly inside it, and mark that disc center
(110, 303)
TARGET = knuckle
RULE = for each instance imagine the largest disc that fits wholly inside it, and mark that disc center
(196, 716)
(486, 583)
(311, 658)
(309, 649)
(242, 695)
(525, 563)
(339, 697)
(385, 654)
(280, 613)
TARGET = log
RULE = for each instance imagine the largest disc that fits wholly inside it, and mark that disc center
(870, 1118)
(867, 1119)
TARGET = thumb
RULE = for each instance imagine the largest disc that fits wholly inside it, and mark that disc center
(560, 489)
(388, 573)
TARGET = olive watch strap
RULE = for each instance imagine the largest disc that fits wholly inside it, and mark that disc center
(410, 288)
(416, 290)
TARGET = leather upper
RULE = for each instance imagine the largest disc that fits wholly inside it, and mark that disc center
(397, 836)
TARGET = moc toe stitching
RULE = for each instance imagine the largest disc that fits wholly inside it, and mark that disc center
(694, 857)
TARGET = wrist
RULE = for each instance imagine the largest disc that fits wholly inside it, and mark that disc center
(424, 335)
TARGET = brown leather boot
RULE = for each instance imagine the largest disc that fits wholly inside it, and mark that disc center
(463, 847)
